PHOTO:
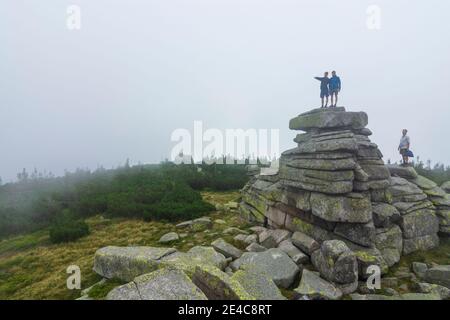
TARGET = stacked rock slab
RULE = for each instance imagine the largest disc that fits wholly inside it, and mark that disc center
(335, 186)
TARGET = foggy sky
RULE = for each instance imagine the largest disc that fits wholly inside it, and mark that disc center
(137, 70)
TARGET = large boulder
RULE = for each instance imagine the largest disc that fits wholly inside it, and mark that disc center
(359, 233)
(258, 284)
(420, 243)
(402, 172)
(274, 262)
(292, 251)
(367, 257)
(126, 263)
(198, 255)
(384, 215)
(169, 237)
(338, 264)
(390, 243)
(438, 275)
(328, 119)
(315, 288)
(424, 183)
(272, 238)
(217, 285)
(304, 242)
(163, 284)
(353, 208)
(419, 223)
(226, 249)
(446, 186)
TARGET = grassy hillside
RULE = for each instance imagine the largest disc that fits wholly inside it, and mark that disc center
(151, 192)
(33, 268)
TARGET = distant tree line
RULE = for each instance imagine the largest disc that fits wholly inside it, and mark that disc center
(152, 192)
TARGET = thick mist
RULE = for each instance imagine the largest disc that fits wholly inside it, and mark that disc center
(137, 70)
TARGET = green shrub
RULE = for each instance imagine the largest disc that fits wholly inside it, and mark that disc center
(67, 228)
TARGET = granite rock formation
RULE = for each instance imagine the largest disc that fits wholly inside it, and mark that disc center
(335, 186)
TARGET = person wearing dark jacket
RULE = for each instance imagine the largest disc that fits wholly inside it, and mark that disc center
(335, 88)
(324, 92)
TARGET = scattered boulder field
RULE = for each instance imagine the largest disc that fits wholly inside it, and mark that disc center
(321, 223)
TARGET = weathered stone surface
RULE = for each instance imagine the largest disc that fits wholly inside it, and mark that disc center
(295, 224)
(323, 175)
(446, 186)
(297, 198)
(217, 285)
(324, 118)
(435, 192)
(226, 249)
(304, 242)
(384, 215)
(275, 217)
(240, 238)
(272, 238)
(163, 284)
(362, 234)
(337, 263)
(201, 224)
(126, 263)
(198, 255)
(423, 183)
(234, 230)
(257, 229)
(376, 172)
(314, 287)
(419, 223)
(254, 247)
(332, 145)
(292, 251)
(438, 275)
(274, 262)
(441, 201)
(368, 257)
(402, 190)
(341, 209)
(312, 184)
(436, 289)
(169, 237)
(420, 243)
(185, 224)
(127, 291)
(390, 243)
(258, 284)
(419, 269)
(323, 164)
(402, 172)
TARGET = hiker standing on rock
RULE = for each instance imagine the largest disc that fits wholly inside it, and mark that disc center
(335, 88)
(324, 92)
(404, 146)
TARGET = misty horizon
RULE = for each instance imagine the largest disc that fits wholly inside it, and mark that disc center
(118, 87)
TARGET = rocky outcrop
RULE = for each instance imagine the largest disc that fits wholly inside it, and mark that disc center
(337, 264)
(273, 262)
(163, 284)
(126, 263)
(335, 186)
(313, 287)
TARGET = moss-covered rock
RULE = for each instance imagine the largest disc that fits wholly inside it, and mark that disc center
(217, 285)
(126, 263)
(163, 284)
